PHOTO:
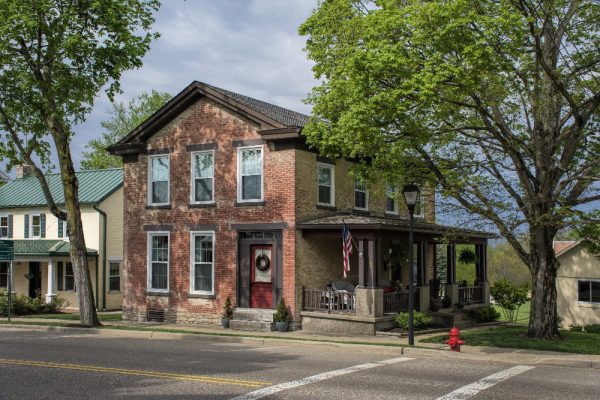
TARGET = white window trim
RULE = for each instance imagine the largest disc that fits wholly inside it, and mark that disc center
(581, 302)
(193, 262)
(120, 263)
(239, 174)
(31, 235)
(193, 178)
(7, 225)
(64, 277)
(331, 188)
(149, 261)
(366, 198)
(149, 192)
(65, 234)
(395, 198)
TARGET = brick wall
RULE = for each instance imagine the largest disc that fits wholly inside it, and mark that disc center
(203, 122)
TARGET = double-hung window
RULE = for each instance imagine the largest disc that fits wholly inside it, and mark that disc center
(361, 195)
(202, 274)
(391, 202)
(3, 226)
(588, 291)
(36, 226)
(250, 174)
(326, 184)
(69, 277)
(114, 277)
(158, 182)
(420, 207)
(4, 274)
(158, 262)
(203, 177)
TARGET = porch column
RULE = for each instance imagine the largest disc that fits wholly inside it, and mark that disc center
(479, 263)
(451, 287)
(361, 263)
(51, 295)
(371, 244)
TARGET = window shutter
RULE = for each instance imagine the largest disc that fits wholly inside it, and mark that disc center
(60, 228)
(59, 279)
(43, 226)
(10, 226)
(26, 226)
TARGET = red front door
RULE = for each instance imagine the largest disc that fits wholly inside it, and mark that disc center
(261, 276)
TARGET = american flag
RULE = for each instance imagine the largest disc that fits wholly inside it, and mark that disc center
(347, 248)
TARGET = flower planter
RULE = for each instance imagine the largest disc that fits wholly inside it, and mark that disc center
(282, 326)
(225, 323)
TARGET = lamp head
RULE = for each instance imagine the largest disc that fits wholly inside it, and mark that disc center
(411, 195)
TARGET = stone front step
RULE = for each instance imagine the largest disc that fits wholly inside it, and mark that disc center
(253, 314)
(259, 326)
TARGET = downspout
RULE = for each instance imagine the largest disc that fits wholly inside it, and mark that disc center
(104, 218)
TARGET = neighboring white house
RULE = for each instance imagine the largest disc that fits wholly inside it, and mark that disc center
(577, 284)
(42, 266)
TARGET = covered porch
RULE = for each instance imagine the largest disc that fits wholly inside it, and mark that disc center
(376, 288)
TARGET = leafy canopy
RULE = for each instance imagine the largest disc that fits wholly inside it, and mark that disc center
(123, 119)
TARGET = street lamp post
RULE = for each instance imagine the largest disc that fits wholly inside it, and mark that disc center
(411, 194)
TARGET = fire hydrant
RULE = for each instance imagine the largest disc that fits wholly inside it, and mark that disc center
(454, 342)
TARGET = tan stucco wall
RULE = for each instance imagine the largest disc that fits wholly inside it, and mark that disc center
(576, 264)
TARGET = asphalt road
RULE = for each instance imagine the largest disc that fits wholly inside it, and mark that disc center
(82, 365)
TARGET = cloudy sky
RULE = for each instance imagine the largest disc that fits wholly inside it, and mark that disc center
(247, 46)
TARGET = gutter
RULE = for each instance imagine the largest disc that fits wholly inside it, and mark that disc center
(104, 219)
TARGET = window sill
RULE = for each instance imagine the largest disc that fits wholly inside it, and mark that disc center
(392, 214)
(363, 212)
(159, 207)
(326, 207)
(250, 203)
(150, 293)
(202, 205)
(113, 291)
(201, 296)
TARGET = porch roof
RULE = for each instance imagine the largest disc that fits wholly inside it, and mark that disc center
(374, 223)
(42, 247)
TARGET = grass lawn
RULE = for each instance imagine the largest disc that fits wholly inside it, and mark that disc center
(522, 316)
(102, 316)
(514, 337)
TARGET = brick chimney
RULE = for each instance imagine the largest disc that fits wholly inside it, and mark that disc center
(23, 170)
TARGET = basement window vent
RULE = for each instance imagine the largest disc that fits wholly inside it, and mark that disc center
(155, 315)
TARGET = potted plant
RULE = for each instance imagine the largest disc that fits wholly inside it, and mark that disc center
(227, 313)
(282, 316)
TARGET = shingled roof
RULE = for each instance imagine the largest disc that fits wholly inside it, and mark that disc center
(94, 187)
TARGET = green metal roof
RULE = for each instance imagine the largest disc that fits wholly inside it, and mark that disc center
(41, 247)
(94, 187)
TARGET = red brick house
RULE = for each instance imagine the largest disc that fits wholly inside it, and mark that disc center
(222, 197)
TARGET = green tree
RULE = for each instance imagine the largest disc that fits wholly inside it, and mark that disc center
(55, 56)
(123, 119)
(495, 100)
(509, 297)
(504, 263)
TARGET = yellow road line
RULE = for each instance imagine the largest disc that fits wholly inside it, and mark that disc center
(153, 374)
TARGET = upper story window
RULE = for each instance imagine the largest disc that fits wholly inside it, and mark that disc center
(326, 184)
(202, 272)
(158, 187)
(62, 228)
(361, 195)
(158, 261)
(250, 174)
(391, 202)
(588, 291)
(36, 225)
(420, 207)
(203, 183)
(3, 226)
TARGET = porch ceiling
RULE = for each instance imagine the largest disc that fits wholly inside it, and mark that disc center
(41, 247)
(372, 223)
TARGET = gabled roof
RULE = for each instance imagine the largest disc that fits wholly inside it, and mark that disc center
(43, 247)
(270, 117)
(563, 246)
(336, 220)
(4, 177)
(94, 187)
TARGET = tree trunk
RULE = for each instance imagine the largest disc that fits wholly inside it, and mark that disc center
(543, 317)
(83, 282)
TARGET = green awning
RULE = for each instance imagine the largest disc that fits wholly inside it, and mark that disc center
(41, 248)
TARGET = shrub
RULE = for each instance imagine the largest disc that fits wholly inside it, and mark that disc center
(419, 319)
(509, 297)
(283, 312)
(576, 328)
(485, 314)
(592, 328)
(227, 309)
(24, 305)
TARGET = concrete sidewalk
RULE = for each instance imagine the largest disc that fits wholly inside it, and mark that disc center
(392, 344)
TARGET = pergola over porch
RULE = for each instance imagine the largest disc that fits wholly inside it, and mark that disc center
(375, 298)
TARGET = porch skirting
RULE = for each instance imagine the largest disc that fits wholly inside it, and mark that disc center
(345, 323)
